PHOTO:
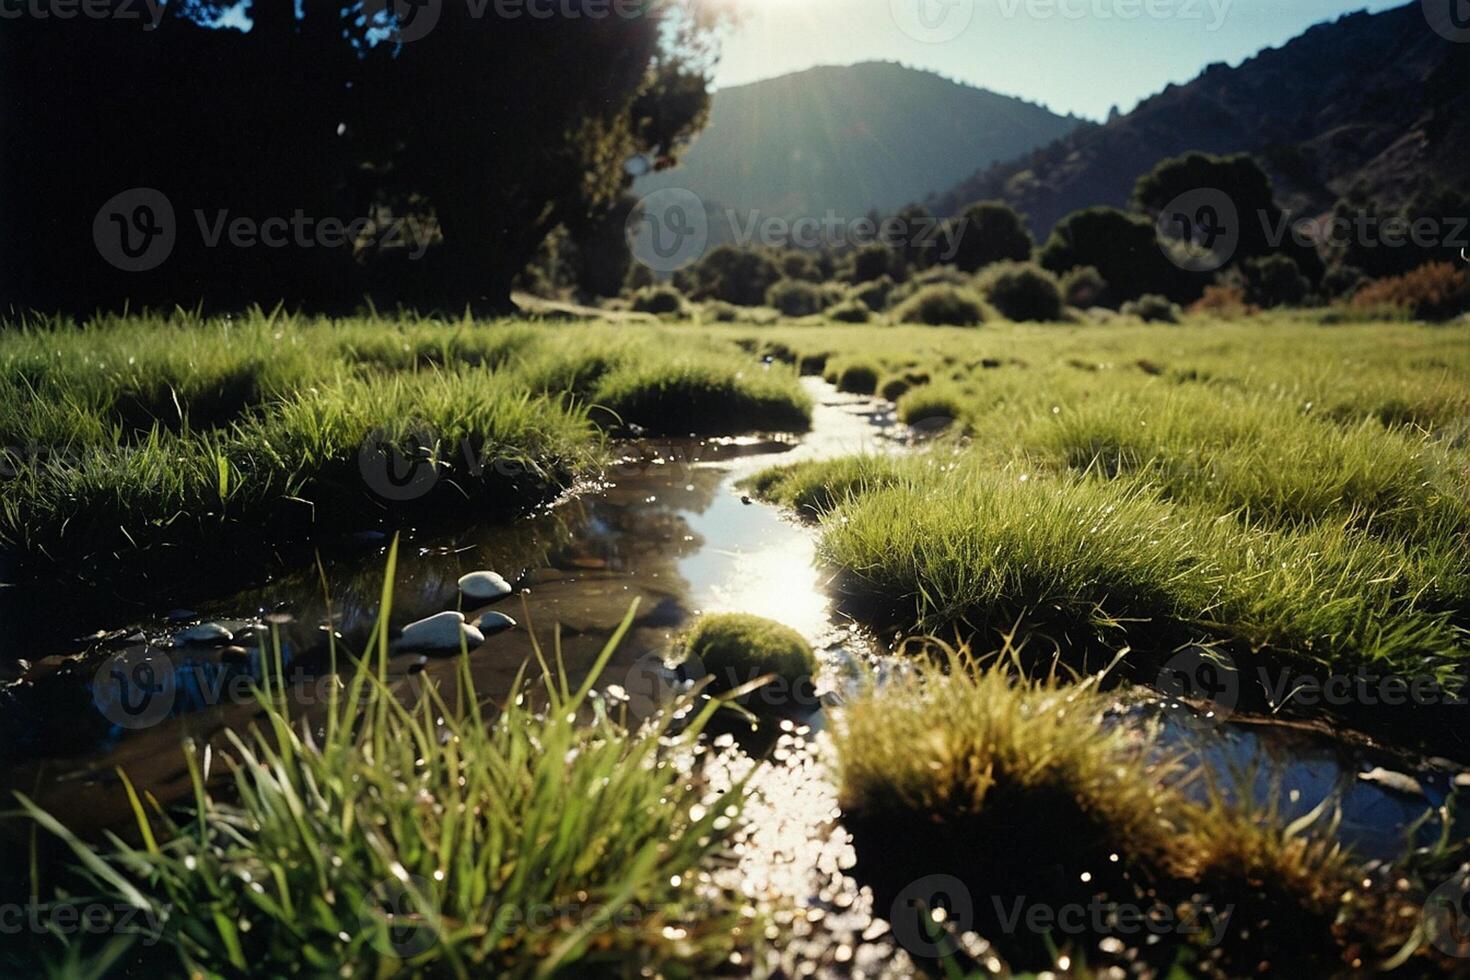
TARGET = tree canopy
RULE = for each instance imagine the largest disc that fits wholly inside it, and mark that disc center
(320, 158)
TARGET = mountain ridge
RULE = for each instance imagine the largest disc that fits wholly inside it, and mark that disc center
(1377, 101)
(842, 139)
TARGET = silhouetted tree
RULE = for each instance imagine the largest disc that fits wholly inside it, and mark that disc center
(989, 232)
(456, 152)
(1123, 248)
(735, 275)
(1261, 227)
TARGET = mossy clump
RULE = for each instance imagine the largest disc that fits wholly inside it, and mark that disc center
(737, 648)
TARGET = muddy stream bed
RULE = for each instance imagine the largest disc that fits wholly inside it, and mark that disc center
(668, 527)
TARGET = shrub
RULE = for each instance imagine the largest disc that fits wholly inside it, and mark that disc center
(795, 297)
(736, 275)
(875, 295)
(1152, 309)
(942, 305)
(851, 311)
(737, 648)
(872, 262)
(800, 265)
(1438, 291)
(1274, 280)
(990, 232)
(1223, 302)
(659, 300)
(718, 311)
(1123, 247)
(1023, 292)
(859, 378)
(1343, 281)
(1084, 287)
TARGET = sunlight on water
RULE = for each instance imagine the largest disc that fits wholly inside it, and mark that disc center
(780, 582)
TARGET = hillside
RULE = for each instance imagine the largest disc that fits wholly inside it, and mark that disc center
(851, 139)
(1378, 99)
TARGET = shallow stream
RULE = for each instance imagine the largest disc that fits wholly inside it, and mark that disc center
(669, 528)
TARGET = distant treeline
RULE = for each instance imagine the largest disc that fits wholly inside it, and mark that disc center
(1201, 231)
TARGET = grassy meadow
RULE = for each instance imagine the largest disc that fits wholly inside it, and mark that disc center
(177, 435)
(1280, 491)
(1284, 488)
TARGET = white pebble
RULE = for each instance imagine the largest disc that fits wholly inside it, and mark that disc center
(446, 631)
(484, 587)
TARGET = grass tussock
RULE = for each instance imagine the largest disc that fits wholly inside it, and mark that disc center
(1027, 792)
(440, 838)
(813, 489)
(1073, 556)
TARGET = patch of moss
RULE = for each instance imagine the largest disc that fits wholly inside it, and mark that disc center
(737, 648)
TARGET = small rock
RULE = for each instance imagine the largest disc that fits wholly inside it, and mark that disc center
(1394, 782)
(1462, 781)
(205, 635)
(745, 499)
(484, 587)
(235, 655)
(494, 622)
(445, 632)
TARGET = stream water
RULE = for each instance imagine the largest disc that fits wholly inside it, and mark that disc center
(669, 528)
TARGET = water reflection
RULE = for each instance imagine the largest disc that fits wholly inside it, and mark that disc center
(668, 528)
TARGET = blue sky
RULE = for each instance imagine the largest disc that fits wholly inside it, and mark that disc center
(1080, 56)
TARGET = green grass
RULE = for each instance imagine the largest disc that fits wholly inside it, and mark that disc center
(177, 434)
(815, 488)
(1024, 789)
(1300, 492)
(438, 838)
